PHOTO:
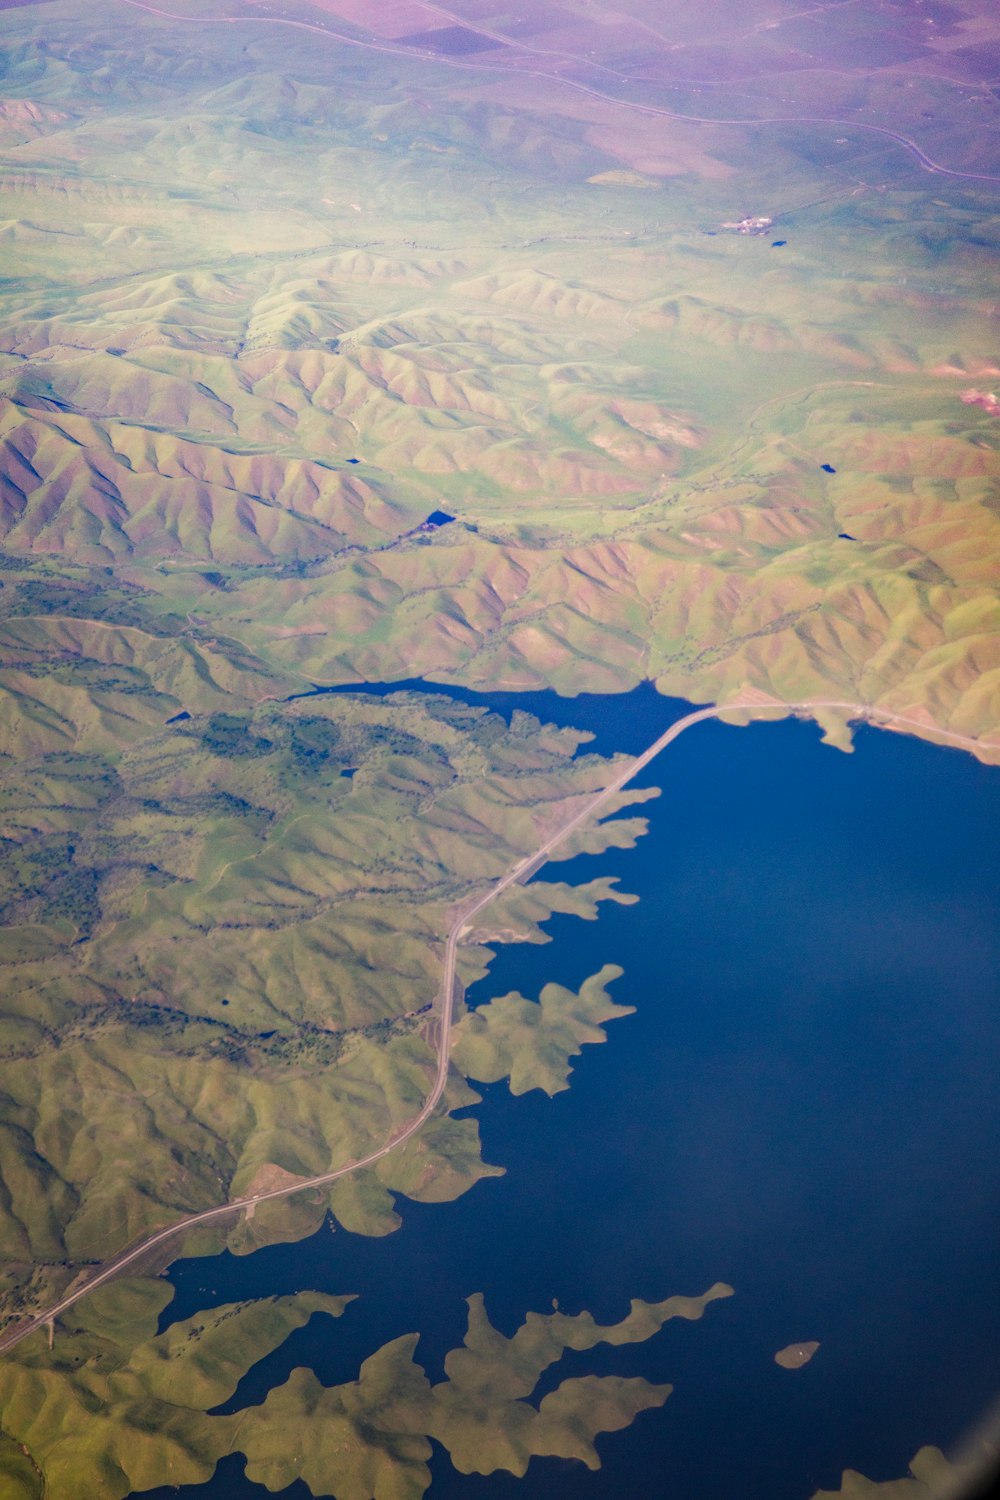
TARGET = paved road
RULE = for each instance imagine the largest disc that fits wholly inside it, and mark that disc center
(447, 993)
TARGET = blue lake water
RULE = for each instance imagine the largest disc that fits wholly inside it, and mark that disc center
(803, 1105)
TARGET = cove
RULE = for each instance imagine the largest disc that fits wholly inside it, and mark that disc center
(803, 1106)
(618, 722)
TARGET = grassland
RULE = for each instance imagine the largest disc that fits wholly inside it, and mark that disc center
(221, 944)
(530, 1043)
(931, 1477)
(283, 300)
(270, 300)
(117, 1407)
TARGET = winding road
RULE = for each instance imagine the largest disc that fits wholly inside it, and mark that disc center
(464, 915)
(448, 992)
(926, 162)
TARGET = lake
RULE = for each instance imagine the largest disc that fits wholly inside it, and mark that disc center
(803, 1106)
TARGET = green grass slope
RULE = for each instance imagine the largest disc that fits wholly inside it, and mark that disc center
(221, 944)
(116, 1407)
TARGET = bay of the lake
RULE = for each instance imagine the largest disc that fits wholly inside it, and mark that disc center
(804, 1105)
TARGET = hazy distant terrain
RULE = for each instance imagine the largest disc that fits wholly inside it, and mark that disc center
(276, 299)
(345, 343)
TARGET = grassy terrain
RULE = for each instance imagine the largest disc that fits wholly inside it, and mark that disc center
(531, 1043)
(931, 1477)
(269, 300)
(274, 300)
(222, 942)
(117, 1407)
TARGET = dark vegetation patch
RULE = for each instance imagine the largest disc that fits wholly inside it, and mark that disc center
(313, 741)
(230, 735)
(48, 884)
(451, 40)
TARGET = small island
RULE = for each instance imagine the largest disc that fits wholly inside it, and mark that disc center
(794, 1356)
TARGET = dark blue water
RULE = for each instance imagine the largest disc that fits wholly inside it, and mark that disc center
(616, 722)
(803, 1106)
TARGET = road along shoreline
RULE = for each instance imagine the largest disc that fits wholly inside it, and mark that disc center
(450, 987)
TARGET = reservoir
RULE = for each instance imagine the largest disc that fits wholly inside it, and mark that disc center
(803, 1105)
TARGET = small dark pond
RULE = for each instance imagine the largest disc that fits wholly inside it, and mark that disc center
(804, 1105)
